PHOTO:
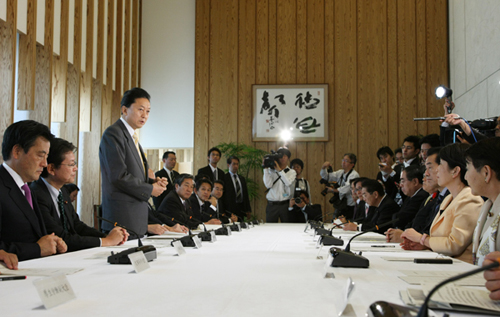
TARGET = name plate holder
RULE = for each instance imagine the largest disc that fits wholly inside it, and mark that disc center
(179, 248)
(328, 269)
(139, 261)
(213, 235)
(54, 290)
(197, 242)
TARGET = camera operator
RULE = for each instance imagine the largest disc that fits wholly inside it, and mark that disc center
(278, 181)
(302, 210)
(300, 184)
(342, 177)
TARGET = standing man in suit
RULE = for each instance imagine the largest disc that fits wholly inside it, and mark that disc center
(223, 214)
(236, 198)
(24, 149)
(55, 202)
(126, 186)
(169, 161)
(211, 170)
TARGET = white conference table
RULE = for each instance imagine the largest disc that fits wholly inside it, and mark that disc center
(267, 270)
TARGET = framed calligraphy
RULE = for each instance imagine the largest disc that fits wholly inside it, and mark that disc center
(300, 109)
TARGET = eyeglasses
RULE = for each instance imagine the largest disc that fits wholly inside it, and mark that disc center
(71, 165)
(346, 161)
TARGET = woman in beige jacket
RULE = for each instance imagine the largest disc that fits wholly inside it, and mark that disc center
(453, 226)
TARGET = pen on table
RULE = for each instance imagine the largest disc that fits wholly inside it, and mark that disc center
(382, 246)
(11, 278)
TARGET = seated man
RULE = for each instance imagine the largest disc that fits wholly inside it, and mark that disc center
(72, 190)
(389, 175)
(362, 210)
(223, 214)
(203, 206)
(427, 142)
(54, 201)
(303, 211)
(24, 149)
(176, 205)
(384, 206)
(411, 185)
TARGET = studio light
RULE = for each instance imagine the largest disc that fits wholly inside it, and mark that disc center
(443, 92)
(286, 135)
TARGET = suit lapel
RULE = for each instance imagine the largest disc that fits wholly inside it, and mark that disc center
(20, 200)
(132, 147)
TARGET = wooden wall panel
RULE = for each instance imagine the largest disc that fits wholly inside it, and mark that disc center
(69, 129)
(302, 45)
(372, 83)
(60, 70)
(106, 113)
(272, 43)
(86, 76)
(286, 42)
(118, 89)
(422, 87)
(126, 48)
(246, 70)
(392, 73)
(27, 59)
(41, 112)
(202, 90)
(223, 121)
(8, 41)
(135, 46)
(407, 75)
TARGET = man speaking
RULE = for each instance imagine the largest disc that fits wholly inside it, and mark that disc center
(126, 186)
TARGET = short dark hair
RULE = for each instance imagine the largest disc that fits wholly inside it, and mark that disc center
(431, 139)
(359, 179)
(415, 140)
(298, 162)
(305, 194)
(398, 150)
(131, 95)
(214, 149)
(23, 133)
(485, 152)
(71, 187)
(58, 148)
(231, 158)
(284, 151)
(385, 150)
(165, 155)
(454, 155)
(413, 172)
(219, 181)
(202, 181)
(434, 150)
(352, 157)
(182, 177)
(372, 186)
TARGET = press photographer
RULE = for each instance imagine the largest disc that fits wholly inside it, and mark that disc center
(342, 190)
(278, 179)
(302, 210)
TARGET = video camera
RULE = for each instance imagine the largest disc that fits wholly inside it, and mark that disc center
(269, 159)
(327, 184)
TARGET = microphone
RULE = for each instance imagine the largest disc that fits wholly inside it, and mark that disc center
(115, 224)
(328, 238)
(382, 308)
(345, 258)
(122, 257)
(205, 235)
(187, 241)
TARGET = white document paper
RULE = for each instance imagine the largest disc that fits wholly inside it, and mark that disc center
(40, 271)
(434, 280)
(454, 294)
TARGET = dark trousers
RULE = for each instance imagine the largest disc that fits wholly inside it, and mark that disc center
(278, 210)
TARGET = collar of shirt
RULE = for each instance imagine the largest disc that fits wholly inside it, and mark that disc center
(129, 128)
(169, 172)
(54, 194)
(416, 192)
(358, 201)
(381, 200)
(199, 200)
(17, 178)
(182, 200)
(232, 174)
(212, 168)
(407, 163)
(443, 192)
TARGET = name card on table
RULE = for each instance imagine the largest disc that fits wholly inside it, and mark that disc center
(139, 261)
(328, 269)
(54, 290)
(179, 248)
(214, 237)
(197, 242)
(229, 231)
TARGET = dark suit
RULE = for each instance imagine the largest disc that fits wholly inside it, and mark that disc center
(171, 186)
(382, 214)
(366, 217)
(79, 236)
(409, 209)
(239, 209)
(204, 212)
(390, 184)
(222, 212)
(172, 207)
(125, 185)
(20, 225)
(157, 218)
(207, 171)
